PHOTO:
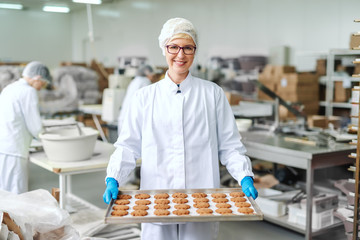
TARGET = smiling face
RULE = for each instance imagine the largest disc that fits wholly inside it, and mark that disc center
(179, 64)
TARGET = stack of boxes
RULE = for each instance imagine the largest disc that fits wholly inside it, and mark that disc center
(291, 86)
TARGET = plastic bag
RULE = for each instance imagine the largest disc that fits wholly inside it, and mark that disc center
(37, 212)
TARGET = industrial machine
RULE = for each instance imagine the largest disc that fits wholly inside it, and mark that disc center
(111, 104)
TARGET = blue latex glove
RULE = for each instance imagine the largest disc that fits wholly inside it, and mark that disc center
(111, 190)
(247, 185)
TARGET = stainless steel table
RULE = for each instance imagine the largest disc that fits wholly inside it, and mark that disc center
(65, 170)
(274, 148)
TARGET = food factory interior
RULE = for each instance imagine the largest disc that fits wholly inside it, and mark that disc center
(179, 120)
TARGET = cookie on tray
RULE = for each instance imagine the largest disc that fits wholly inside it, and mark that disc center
(246, 210)
(182, 206)
(122, 202)
(139, 213)
(161, 196)
(202, 205)
(142, 196)
(237, 194)
(220, 200)
(143, 202)
(223, 205)
(180, 200)
(238, 199)
(140, 207)
(199, 195)
(198, 200)
(218, 195)
(161, 212)
(179, 195)
(119, 213)
(204, 211)
(162, 206)
(162, 201)
(242, 204)
(124, 196)
(181, 212)
(223, 211)
(120, 207)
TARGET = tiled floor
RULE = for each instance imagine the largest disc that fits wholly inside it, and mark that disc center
(90, 186)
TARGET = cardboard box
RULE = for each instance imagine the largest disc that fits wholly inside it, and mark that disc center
(321, 121)
(303, 87)
(273, 73)
(341, 94)
(281, 70)
(233, 98)
(321, 67)
(357, 69)
(311, 108)
(354, 41)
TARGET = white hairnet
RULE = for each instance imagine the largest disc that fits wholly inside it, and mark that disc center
(35, 68)
(174, 26)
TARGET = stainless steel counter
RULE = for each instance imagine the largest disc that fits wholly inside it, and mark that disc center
(274, 148)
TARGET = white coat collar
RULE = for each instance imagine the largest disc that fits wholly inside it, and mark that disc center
(173, 88)
(23, 81)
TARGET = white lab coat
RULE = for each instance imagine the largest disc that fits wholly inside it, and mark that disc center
(20, 121)
(180, 137)
(137, 83)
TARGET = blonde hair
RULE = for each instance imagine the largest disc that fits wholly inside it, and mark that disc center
(181, 35)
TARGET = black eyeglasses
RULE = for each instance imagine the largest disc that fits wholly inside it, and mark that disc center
(175, 49)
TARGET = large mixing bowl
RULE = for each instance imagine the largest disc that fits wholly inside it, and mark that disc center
(68, 145)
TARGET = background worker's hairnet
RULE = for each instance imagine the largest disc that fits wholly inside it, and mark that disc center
(34, 69)
(144, 70)
(174, 26)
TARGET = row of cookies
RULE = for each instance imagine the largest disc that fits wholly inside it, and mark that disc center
(181, 208)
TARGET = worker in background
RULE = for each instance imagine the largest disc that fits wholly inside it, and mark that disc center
(144, 76)
(181, 127)
(20, 122)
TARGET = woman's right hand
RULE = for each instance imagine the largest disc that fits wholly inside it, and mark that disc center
(111, 190)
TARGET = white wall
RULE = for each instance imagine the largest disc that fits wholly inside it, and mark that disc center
(226, 28)
(35, 35)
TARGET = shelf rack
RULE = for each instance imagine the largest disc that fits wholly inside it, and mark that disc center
(330, 78)
(356, 170)
(357, 163)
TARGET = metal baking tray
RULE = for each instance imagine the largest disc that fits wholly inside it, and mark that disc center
(257, 215)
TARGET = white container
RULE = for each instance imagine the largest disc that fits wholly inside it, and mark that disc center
(354, 113)
(319, 220)
(67, 145)
(355, 94)
(268, 206)
(243, 124)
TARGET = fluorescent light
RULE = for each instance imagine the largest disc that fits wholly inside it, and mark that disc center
(88, 1)
(11, 6)
(59, 9)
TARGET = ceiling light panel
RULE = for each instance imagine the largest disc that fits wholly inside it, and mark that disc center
(88, 1)
(58, 9)
(11, 6)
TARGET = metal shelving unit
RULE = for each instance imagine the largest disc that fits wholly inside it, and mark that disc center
(357, 164)
(330, 79)
(357, 167)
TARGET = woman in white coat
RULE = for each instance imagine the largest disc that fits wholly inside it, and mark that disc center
(20, 122)
(181, 127)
